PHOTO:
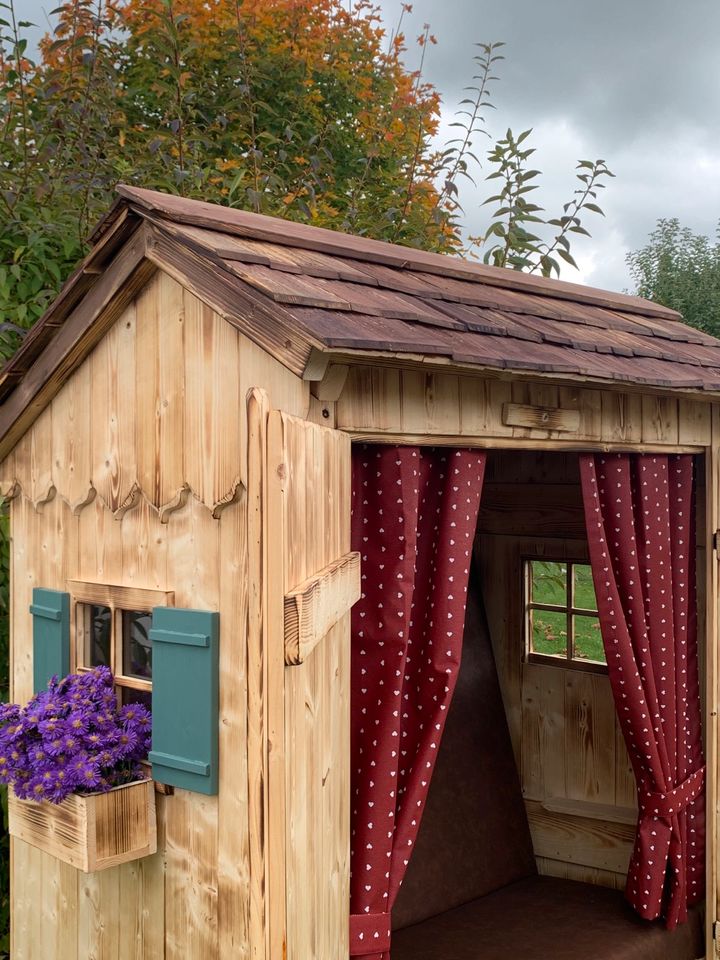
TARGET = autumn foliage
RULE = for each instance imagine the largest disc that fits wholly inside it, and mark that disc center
(304, 109)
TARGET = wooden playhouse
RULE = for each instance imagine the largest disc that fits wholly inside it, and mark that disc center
(180, 438)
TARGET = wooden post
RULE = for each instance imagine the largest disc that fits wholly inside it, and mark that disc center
(712, 524)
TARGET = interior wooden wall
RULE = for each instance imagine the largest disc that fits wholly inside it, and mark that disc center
(574, 768)
(150, 428)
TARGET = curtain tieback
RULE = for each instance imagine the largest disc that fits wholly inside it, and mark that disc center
(369, 933)
(675, 800)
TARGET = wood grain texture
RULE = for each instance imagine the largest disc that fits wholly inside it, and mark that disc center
(541, 418)
(580, 840)
(112, 595)
(112, 370)
(91, 832)
(309, 511)
(591, 810)
(386, 403)
(257, 758)
(331, 386)
(191, 823)
(71, 446)
(233, 903)
(315, 606)
(153, 412)
(151, 902)
(85, 327)
(562, 722)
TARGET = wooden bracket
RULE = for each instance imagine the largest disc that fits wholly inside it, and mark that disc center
(331, 386)
(316, 605)
(540, 418)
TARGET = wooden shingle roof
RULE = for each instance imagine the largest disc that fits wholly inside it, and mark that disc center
(302, 291)
(350, 294)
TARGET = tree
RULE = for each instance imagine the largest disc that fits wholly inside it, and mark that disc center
(680, 269)
(304, 109)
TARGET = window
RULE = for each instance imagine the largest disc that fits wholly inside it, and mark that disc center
(112, 629)
(562, 623)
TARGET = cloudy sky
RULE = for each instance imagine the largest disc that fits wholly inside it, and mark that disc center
(636, 82)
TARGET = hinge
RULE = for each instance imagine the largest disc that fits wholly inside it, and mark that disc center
(715, 929)
(716, 541)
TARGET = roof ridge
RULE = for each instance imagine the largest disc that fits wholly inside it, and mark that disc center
(289, 233)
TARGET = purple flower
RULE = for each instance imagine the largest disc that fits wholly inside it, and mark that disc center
(72, 737)
(54, 745)
(127, 742)
(77, 723)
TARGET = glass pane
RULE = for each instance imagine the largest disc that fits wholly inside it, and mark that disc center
(588, 639)
(548, 582)
(137, 647)
(97, 626)
(135, 696)
(583, 588)
(549, 633)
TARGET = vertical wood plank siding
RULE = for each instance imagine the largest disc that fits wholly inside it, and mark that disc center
(152, 424)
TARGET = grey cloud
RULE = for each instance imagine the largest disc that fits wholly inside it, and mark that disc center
(636, 82)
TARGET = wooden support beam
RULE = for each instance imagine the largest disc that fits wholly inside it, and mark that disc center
(329, 388)
(316, 365)
(540, 418)
(316, 605)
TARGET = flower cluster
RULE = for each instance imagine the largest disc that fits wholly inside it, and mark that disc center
(72, 738)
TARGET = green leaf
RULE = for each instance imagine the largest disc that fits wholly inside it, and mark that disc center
(566, 256)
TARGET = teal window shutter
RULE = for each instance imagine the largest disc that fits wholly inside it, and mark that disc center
(50, 611)
(185, 698)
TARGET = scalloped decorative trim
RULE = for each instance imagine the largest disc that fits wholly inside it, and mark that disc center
(10, 489)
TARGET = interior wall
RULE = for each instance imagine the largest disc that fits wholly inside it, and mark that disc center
(574, 768)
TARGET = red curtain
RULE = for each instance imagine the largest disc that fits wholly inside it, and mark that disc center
(640, 519)
(414, 517)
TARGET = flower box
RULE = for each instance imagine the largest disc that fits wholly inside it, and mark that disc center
(90, 831)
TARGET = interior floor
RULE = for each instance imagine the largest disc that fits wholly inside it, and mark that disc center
(473, 889)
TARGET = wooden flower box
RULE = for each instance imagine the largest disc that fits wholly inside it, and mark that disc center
(90, 832)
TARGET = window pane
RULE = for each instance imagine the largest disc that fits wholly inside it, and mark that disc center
(136, 696)
(549, 633)
(588, 639)
(583, 588)
(137, 647)
(548, 582)
(97, 624)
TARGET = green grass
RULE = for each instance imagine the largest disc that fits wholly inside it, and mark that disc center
(549, 628)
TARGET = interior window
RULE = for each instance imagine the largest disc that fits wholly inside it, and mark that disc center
(562, 624)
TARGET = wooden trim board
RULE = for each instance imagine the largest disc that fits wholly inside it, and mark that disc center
(316, 605)
(114, 595)
(540, 418)
(592, 811)
(583, 840)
